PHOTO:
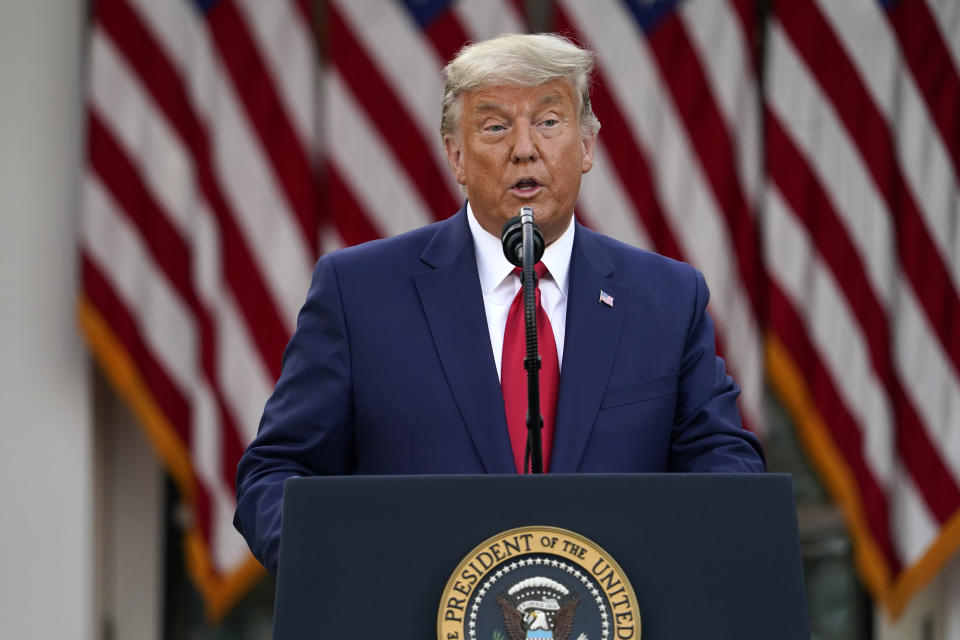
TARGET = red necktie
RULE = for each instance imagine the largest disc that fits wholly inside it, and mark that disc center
(513, 377)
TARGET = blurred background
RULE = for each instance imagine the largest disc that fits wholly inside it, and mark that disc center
(171, 169)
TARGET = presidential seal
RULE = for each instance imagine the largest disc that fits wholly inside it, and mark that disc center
(540, 583)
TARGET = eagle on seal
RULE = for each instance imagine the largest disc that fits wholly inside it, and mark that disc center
(534, 623)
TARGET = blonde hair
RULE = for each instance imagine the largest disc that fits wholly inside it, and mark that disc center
(519, 60)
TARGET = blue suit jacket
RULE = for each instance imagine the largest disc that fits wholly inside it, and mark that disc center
(390, 371)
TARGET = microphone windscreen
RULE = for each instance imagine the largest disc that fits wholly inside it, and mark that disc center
(512, 238)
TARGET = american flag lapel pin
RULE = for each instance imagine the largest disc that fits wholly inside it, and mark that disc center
(606, 298)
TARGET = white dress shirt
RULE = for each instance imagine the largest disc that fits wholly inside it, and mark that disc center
(500, 285)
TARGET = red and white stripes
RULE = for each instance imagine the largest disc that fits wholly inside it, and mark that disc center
(199, 233)
(822, 202)
(830, 241)
(680, 135)
(383, 86)
(861, 242)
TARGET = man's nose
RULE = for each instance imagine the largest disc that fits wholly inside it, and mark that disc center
(524, 149)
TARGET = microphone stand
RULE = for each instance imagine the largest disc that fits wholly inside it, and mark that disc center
(523, 246)
(531, 363)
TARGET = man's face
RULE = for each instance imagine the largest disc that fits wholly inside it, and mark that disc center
(521, 146)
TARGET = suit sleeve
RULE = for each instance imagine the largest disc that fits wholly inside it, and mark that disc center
(708, 435)
(307, 424)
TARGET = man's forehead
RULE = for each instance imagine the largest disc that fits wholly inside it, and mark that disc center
(498, 98)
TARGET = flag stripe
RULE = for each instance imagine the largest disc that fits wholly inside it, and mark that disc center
(628, 161)
(843, 428)
(922, 158)
(946, 13)
(130, 35)
(286, 40)
(483, 19)
(238, 166)
(604, 198)
(446, 34)
(932, 476)
(688, 201)
(199, 230)
(375, 175)
(258, 95)
(168, 397)
(169, 249)
(352, 224)
(243, 172)
(923, 368)
(929, 59)
(173, 258)
(375, 96)
(209, 456)
(748, 19)
(396, 47)
(305, 7)
(817, 44)
(683, 75)
(144, 133)
(812, 208)
(720, 44)
(125, 295)
(797, 101)
(913, 527)
(729, 69)
(241, 376)
(120, 176)
(821, 207)
(832, 328)
(808, 201)
(869, 183)
(111, 239)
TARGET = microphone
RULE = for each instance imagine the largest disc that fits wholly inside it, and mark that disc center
(523, 247)
(512, 239)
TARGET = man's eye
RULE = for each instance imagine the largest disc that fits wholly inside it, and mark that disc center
(496, 128)
(551, 122)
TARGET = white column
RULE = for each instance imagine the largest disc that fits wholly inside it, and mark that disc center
(131, 531)
(46, 435)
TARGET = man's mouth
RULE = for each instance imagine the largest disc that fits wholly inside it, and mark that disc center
(525, 187)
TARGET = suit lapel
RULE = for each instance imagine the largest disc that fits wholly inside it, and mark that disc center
(453, 303)
(592, 335)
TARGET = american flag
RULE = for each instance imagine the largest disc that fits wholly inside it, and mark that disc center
(385, 167)
(199, 231)
(862, 240)
(820, 200)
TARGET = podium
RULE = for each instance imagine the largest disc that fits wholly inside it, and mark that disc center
(707, 556)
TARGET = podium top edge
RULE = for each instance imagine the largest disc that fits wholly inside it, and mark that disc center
(771, 478)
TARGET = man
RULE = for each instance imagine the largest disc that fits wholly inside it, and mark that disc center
(396, 364)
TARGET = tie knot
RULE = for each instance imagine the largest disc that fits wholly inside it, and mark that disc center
(539, 268)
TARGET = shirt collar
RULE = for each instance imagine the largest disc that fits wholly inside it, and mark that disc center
(494, 267)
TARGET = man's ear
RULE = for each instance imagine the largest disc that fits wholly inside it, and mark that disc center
(454, 157)
(588, 144)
